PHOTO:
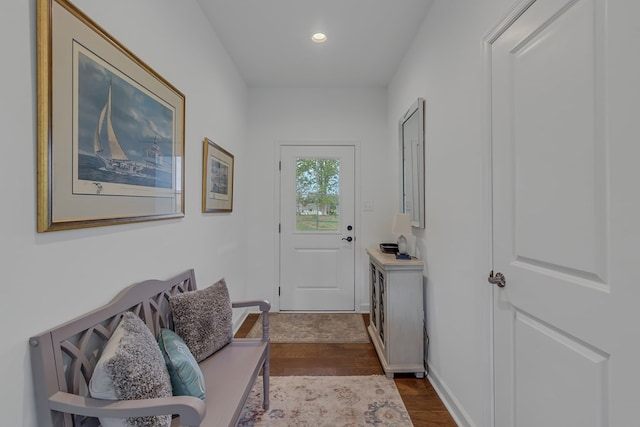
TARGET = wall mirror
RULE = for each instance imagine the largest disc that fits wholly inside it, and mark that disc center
(412, 163)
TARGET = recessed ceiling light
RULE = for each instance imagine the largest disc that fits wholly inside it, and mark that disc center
(319, 37)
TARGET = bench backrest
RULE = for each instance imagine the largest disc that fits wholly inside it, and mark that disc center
(63, 358)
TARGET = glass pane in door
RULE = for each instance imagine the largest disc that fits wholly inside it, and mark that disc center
(317, 194)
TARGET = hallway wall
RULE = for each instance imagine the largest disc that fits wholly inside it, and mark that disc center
(445, 65)
(51, 274)
(316, 114)
(52, 277)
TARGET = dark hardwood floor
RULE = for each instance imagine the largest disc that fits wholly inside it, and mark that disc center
(419, 397)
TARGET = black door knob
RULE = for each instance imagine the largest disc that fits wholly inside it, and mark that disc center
(348, 238)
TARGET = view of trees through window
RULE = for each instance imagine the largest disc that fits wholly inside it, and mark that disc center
(317, 194)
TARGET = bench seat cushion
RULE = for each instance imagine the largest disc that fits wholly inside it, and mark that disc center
(230, 373)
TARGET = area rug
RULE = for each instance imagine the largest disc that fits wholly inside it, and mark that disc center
(313, 328)
(327, 402)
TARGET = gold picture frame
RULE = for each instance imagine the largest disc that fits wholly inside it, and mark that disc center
(110, 129)
(217, 178)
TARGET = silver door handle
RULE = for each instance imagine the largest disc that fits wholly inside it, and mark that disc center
(498, 279)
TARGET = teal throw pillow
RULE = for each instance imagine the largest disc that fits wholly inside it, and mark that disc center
(186, 376)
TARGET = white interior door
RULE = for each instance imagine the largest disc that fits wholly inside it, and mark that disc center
(565, 220)
(317, 229)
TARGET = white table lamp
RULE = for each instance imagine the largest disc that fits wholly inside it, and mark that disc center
(402, 226)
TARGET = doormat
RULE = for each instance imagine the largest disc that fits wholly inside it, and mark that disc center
(313, 328)
(326, 402)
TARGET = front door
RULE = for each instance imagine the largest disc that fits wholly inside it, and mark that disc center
(565, 215)
(317, 229)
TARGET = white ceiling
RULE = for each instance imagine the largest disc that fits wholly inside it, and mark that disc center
(270, 40)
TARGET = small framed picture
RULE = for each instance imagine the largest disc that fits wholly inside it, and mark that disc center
(217, 178)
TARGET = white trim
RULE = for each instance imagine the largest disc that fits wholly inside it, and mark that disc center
(275, 300)
(356, 144)
(452, 404)
(507, 20)
(239, 320)
(503, 24)
(488, 208)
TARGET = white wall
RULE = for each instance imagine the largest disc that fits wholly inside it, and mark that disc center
(445, 65)
(316, 115)
(52, 277)
(46, 276)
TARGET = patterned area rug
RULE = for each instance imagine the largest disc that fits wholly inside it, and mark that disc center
(313, 328)
(327, 402)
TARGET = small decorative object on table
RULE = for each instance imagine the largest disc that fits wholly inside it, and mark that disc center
(389, 248)
(402, 226)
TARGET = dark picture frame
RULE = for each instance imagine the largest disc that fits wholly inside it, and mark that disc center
(110, 129)
(217, 178)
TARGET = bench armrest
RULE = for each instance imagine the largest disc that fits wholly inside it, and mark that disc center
(190, 409)
(265, 306)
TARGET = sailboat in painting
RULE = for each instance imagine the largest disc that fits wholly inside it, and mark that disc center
(117, 160)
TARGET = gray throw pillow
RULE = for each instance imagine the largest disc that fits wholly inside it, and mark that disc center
(131, 367)
(203, 319)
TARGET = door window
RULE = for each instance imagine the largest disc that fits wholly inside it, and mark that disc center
(317, 194)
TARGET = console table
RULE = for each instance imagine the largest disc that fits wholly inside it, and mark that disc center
(396, 314)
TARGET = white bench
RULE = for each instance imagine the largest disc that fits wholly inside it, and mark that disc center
(63, 360)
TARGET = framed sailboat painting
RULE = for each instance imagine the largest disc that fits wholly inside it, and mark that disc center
(110, 129)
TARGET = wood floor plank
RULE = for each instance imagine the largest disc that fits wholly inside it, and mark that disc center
(422, 402)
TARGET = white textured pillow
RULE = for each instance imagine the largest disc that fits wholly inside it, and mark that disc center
(131, 367)
(203, 318)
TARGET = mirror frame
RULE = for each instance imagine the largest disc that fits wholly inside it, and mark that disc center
(413, 176)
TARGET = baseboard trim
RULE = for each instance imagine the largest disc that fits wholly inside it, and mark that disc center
(452, 404)
(239, 320)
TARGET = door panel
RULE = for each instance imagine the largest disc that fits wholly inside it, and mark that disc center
(559, 374)
(553, 327)
(317, 259)
(557, 144)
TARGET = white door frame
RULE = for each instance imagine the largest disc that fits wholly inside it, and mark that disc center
(512, 15)
(275, 306)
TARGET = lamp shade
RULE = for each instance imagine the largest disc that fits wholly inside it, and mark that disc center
(401, 224)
